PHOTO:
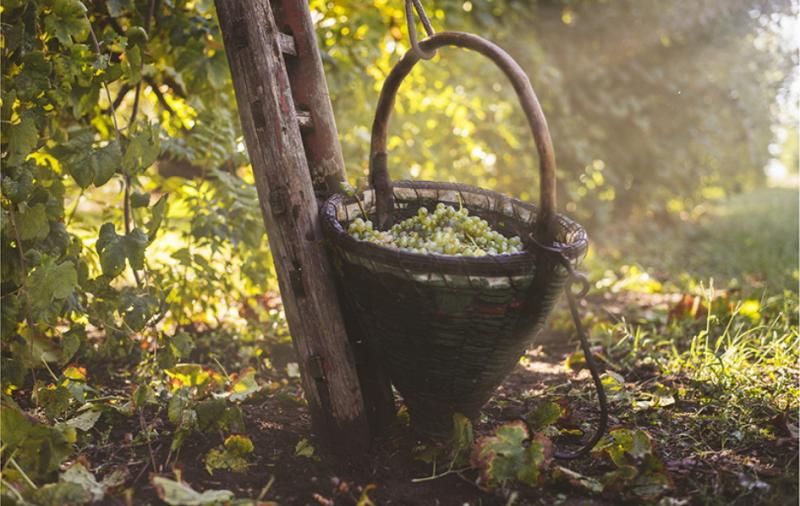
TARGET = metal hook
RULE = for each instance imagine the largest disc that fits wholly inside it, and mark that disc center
(412, 5)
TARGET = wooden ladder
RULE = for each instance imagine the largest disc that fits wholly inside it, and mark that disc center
(291, 137)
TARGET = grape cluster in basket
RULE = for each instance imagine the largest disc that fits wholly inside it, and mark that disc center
(445, 231)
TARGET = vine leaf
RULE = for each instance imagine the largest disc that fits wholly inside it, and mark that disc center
(78, 474)
(86, 420)
(545, 415)
(50, 282)
(137, 307)
(144, 148)
(157, 213)
(231, 455)
(17, 182)
(114, 249)
(132, 65)
(244, 386)
(463, 438)
(177, 493)
(61, 493)
(105, 161)
(639, 474)
(32, 222)
(118, 7)
(39, 448)
(68, 21)
(506, 456)
(22, 138)
(140, 199)
(87, 164)
(577, 480)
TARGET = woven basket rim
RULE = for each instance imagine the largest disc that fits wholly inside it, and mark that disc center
(491, 265)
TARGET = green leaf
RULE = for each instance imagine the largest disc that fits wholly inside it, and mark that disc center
(111, 249)
(39, 449)
(142, 151)
(181, 494)
(176, 405)
(11, 315)
(244, 386)
(137, 307)
(118, 7)
(625, 446)
(22, 138)
(210, 413)
(144, 395)
(71, 342)
(508, 456)
(32, 222)
(304, 448)
(18, 182)
(114, 249)
(68, 21)
(36, 348)
(157, 213)
(232, 455)
(577, 480)
(7, 107)
(649, 486)
(462, 440)
(139, 199)
(85, 163)
(58, 494)
(544, 415)
(78, 474)
(132, 65)
(105, 161)
(54, 400)
(50, 282)
(135, 244)
(14, 372)
(218, 70)
(86, 420)
(35, 76)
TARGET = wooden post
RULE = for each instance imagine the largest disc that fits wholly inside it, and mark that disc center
(272, 132)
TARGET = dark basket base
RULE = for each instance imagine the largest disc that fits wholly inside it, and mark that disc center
(446, 347)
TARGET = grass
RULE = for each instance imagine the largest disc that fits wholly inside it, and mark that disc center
(726, 360)
(749, 241)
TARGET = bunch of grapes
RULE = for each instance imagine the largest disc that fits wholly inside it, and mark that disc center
(446, 231)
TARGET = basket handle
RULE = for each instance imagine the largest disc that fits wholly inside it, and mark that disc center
(379, 174)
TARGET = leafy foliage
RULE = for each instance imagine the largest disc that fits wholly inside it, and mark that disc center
(231, 455)
(511, 454)
(177, 493)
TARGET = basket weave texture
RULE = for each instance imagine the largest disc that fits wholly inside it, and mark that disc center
(448, 329)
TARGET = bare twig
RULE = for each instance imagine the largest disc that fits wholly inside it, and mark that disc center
(159, 95)
(147, 438)
(74, 207)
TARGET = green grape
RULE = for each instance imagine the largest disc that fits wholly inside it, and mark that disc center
(444, 231)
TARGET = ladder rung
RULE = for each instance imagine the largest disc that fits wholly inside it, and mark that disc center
(304, 120)
(286, 43)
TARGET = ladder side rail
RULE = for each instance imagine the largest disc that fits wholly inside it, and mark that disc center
(288, 204)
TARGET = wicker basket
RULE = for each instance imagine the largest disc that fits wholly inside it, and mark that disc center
(449, 329)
